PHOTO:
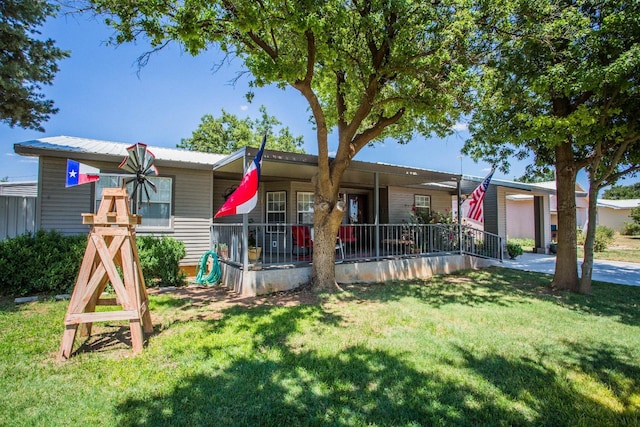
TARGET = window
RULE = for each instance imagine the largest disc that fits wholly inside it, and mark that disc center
(422, 203)
(156, 212)
(305, 208)
(276, 210)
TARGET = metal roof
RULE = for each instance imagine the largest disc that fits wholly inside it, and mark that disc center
(619, 204)
(93, 149)
(277, 165)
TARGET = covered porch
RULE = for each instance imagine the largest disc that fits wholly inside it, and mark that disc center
(364, 253)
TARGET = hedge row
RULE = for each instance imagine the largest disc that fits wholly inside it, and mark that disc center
(48, 262)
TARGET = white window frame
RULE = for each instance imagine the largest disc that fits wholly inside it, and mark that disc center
(304, 207)
(161, 182)
(422, 202)
(271, 205)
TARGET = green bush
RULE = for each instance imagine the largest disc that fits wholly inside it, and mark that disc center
(160, 260)
(514, 250)
(604, 236)
(44, 262)
(48, 262)
(631, 229)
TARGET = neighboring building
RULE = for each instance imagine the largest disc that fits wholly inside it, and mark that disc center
(520, 210)
(192, 186)
(17, 208)
(614, 213)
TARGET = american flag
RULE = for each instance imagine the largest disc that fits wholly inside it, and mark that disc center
(476, 212)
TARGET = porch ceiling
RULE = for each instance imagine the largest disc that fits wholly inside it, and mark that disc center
(277, 166)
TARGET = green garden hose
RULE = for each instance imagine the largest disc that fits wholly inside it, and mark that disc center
(214, 275)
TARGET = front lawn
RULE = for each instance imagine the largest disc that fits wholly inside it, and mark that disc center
(623, 248)
(490, 347)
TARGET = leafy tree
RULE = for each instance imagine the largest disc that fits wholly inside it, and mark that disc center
(535, 174)
(622, 192)
(229, 133)
(559, 84)
(26, 63)
(368, 70)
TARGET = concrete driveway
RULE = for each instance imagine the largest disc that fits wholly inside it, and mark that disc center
(623, 273)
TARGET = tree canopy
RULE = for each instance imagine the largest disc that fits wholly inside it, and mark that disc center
(368, 70)
(26, 63)
(622, 192)
(228, 133)
(560, 84)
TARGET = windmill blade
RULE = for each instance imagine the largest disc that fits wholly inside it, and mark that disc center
(147, 161)
(130, 163)
(151, 184)
(152, 170)
(140, 162)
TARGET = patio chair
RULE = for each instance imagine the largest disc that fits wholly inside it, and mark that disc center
(347, 234)
(302, 245)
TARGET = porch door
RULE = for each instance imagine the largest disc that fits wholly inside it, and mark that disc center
(357, 209)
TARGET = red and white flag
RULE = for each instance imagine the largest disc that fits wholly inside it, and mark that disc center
(245, 197)
(476, 211)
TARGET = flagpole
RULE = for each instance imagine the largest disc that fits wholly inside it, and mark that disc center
(460, 213)
(245, 226)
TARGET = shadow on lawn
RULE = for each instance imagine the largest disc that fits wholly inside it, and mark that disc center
(553, 398)
(301, 386)
(360, 385)
(503, 287)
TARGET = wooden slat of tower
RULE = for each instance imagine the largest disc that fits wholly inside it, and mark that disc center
(111, 244)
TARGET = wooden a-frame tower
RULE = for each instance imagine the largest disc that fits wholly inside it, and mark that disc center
(111, 245)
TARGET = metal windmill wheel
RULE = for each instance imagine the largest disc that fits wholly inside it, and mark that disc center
(140, 162)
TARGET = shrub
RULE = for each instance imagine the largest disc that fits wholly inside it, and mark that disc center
(514, 249)
(604, 236)
(44, 262)
(160, 260)
(631, 229)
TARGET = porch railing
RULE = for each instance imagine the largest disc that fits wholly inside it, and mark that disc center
(288, 245)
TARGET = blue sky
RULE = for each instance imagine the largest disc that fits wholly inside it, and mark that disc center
(102, 94)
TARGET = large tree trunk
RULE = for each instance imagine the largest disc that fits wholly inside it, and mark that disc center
(566, 274)
(587, 262)
(328, 213)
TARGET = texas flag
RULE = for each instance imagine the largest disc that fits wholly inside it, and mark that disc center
(245, 197)
(78, 173)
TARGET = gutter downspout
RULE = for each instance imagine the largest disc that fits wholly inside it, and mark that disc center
(376, 208)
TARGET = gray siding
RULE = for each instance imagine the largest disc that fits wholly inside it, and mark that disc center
(401, 201)
(61, 208)
(491, 210)
(191, 210)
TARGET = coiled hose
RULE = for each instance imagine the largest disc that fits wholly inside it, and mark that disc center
(214, 275)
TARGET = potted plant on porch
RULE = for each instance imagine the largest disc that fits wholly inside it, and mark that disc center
(223, 251)
(254, 250)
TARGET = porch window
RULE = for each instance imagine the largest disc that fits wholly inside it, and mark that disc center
(156, 212)
(305, 208)
(422, 203)
(276, 210)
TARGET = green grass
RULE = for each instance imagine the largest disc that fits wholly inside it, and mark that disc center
(492, 347)
(623, 248)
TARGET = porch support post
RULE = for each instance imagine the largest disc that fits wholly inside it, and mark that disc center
(460, 214)
(376, 209)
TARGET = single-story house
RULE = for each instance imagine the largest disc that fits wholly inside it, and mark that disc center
(614, 213)
(377, 226)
